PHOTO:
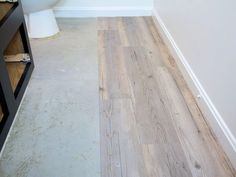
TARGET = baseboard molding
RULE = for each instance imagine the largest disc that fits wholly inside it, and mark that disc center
(75, 12)
(217, 123)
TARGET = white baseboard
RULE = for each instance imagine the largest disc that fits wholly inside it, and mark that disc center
(71, 12)
(216, 121)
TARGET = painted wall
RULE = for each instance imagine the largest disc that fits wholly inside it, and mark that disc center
(205, 33)
(106, 3)
(103, 8)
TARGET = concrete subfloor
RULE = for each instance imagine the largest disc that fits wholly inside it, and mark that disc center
(56, 132)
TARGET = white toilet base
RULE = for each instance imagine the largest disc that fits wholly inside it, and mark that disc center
(41, 24)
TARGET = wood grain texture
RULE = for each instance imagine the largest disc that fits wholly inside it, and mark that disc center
(15, 46)
(4, 8)
(150, 123)
(15, 69)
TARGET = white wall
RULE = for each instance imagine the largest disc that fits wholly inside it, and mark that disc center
(91, 8)
(106, 3)
(204, 31)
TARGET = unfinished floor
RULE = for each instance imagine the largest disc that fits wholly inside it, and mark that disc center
(56, 132)
(150, 123)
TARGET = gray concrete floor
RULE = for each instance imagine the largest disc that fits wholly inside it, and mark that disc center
(56, 133)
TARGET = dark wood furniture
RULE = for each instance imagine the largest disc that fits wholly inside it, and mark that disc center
(14, 76)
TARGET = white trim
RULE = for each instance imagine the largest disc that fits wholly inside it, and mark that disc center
(102, 11)
(216, 121)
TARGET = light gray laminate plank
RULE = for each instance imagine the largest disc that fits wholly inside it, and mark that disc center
(155, 126)
(151, 125)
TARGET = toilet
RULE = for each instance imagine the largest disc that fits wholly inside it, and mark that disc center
(40, 18)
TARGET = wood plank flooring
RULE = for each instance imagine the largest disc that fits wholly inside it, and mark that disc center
(150, 123)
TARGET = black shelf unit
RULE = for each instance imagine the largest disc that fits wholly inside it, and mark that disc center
(12, 22)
